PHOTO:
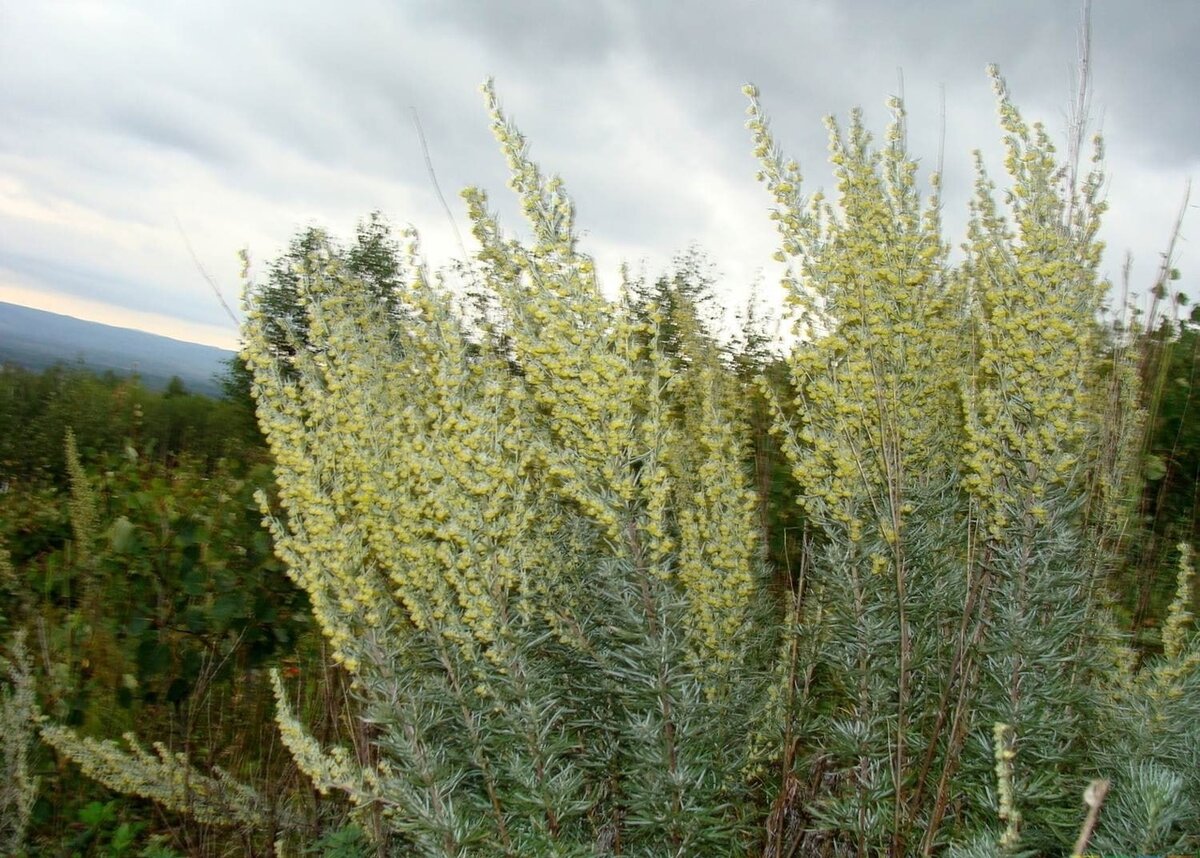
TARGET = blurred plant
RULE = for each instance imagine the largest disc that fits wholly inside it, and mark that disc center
(154, 600)
(164, 777)
(1151, 740)
(19, 718)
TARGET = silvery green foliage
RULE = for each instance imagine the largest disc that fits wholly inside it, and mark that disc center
(943, 436)
(19, 717)
(983, 845)
(1150, 742)
(1149, 810)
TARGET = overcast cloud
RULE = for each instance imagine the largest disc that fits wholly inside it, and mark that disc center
(126, 126)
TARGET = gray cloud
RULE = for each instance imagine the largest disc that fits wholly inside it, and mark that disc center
(248, 120)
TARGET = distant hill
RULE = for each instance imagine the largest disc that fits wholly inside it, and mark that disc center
(36, 339)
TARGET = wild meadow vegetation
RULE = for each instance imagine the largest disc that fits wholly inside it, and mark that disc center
(513, 564)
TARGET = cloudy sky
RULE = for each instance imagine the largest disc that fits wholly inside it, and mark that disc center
(136, 134)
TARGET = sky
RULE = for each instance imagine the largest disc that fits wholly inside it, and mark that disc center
(143, 144)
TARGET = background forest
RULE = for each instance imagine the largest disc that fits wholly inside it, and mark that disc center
(552, 572)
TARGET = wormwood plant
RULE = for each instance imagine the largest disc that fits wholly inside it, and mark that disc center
(540, 573)
(949, 441)
(1152, 740)
(19, 717)
(164, 776)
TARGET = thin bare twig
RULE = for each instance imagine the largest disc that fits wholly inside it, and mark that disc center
(436, 185)
(1079, 112)
(1093, 797)
(208, 278)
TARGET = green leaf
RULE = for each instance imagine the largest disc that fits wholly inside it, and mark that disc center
(96, 814)
(152, 657)
(179, 689)
(192, 662)
(196, 620)
(185, 534)
(157, 848)
(228, 606)
(125, 835)
(194, 582)
(122, 536)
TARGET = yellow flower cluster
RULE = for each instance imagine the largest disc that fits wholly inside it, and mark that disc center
(84, 513)
(574, 346)
(432, 487)
(19, 720)
(716, 511)
(877, 368)
(908, 371)
(1178, 615)
(165, 777)
(1002, 745)
(603, 406)
(404, 469)
(1034, 293)
(332, 770)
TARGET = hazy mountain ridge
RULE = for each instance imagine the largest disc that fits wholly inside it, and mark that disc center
(37, 339)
